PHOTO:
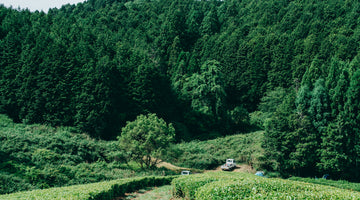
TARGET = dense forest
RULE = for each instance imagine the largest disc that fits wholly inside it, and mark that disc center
(211, 68)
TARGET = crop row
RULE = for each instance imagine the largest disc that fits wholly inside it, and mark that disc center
(220, 185)
(102, 190)
(339, 183)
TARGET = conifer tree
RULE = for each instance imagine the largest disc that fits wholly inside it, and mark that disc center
(302, 101)
(338, 94)
(210, 24)
(319, 106)
(351, 127)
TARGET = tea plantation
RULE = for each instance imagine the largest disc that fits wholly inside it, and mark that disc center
(221, 185)
(101, 190)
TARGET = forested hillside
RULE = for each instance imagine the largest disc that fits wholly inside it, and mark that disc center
(211, 68)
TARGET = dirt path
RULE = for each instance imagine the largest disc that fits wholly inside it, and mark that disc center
(171, 166)
(164, 192)
(240, 168)
(158, 193)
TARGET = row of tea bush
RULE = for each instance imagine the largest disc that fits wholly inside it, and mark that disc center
(222, 185)
(101, 191)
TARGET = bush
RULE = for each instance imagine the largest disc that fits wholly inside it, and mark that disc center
(223, 185)
(10, 183)
(339, 184)
(101, 190)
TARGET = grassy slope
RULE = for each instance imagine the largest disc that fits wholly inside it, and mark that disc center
(39, 156)
(212, 153)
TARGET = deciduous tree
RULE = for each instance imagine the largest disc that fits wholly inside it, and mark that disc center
(146, 138)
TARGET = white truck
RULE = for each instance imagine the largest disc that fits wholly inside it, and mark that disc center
(229, 165)
(185, 173)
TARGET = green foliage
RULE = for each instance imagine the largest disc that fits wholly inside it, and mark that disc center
(319, 109)
(279, 136)
(101, 190)
(206, 90)
(210, 24)
(201, 65)
(338, 184)
(186, 187)
(121, 59)
(39, 156)
(210, 154)
(268, 105)
(146, 138)
(320, 134)
(222, 185)
(338, 97)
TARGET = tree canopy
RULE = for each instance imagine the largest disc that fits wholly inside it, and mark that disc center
(205, 66)
(146, 138)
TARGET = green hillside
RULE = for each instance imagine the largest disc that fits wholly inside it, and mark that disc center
(39, 156)
(210, 68)
(210, 154)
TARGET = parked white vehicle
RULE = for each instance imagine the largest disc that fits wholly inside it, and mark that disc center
(185, 173)
(229, 165)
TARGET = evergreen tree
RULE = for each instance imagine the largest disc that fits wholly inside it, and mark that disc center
(210, 24)
(314, 72)
(351, 127)
(338, 95)
(319, 106)
(334, 158)
(302, 101)
(279, 139)
(206, 90)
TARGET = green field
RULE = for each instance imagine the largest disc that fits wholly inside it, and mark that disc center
(212, 185)
(222, 185)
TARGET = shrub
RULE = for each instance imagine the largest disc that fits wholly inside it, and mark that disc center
(100, 191)
(339, 184)
(223, 185)
(10, 183)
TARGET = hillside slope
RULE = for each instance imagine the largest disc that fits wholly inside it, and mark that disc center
(202, 65)
(208, 67)
(210, 154)
(40, 156)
